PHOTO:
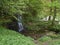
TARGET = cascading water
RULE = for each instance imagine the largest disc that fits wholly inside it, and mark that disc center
(20, 26)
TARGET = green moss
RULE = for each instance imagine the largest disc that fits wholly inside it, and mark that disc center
(9, 37)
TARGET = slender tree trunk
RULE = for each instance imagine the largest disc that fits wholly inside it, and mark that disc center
(50, 14)
(50, 11)
(54, 16)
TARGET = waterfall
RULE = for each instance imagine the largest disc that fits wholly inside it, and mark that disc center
(20, 26)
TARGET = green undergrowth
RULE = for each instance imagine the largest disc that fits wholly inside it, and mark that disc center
(45, 38)
(9, 37)
(54, 42)
(50, 40)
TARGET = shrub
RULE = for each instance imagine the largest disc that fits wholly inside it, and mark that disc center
(37, 25)
(55, 28)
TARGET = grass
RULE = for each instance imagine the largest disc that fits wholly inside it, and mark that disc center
(46, 40)
(9, 37)
(55, 42)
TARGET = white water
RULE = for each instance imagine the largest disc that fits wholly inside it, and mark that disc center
(20, 23)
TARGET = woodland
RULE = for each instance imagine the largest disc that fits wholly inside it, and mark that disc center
(29, 22)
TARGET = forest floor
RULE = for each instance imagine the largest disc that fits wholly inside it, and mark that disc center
(50, 42)
(37, 36)
(33, 34)
(36, 42)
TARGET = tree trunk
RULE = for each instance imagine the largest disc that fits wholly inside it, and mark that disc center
(50, 14)
(50, 11)
(54, 16)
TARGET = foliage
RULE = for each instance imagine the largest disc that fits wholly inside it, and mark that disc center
(55, 28)
(31, 14)
(9, 37)
(7, 9)
(45, 38)
(31, 10)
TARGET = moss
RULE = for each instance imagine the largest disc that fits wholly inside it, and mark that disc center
(9, 37)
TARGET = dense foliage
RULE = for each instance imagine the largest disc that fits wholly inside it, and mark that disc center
(32, 12)
(41, 16)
